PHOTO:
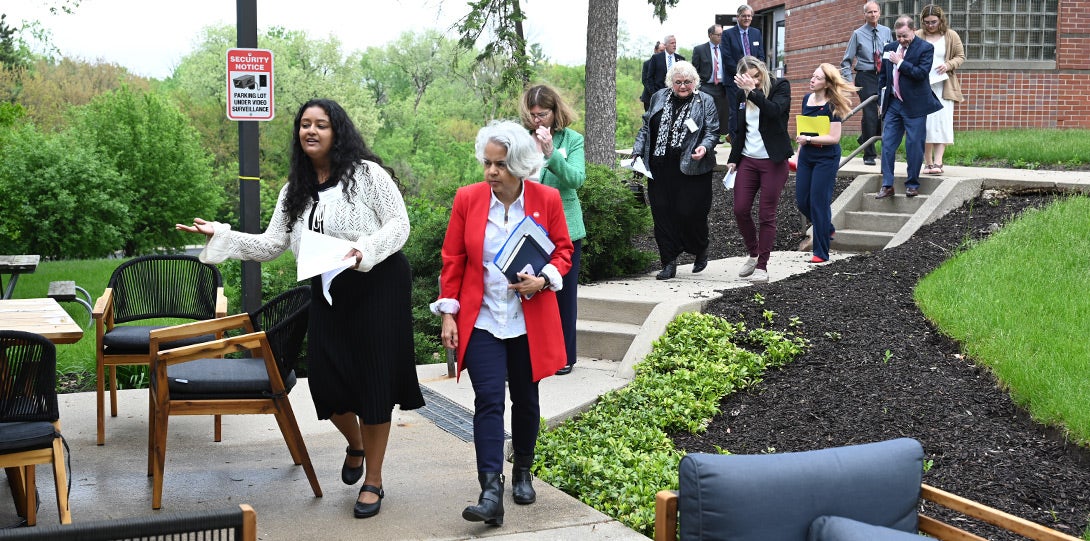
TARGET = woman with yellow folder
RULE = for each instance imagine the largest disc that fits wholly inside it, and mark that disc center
(819, 153)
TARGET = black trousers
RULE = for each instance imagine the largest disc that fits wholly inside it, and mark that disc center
(867, 81)
(680, 205)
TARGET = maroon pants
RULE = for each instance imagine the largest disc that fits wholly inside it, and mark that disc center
(767, 178)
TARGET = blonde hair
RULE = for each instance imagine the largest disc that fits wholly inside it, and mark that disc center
(837, 90)
(764, 79)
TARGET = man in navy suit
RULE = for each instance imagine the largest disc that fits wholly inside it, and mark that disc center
(906, 101)
(742, 40)
(660, 63)
(714, 67)
(645, 75)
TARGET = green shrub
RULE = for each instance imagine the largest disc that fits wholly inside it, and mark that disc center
(429, 226)
(617, 455)
(612, 217)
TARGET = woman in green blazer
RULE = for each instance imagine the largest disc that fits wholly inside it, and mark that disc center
(547, 117)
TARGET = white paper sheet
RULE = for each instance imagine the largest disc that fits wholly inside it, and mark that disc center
(324, 255)
(937, 77)
(728, 179)
(637, 165)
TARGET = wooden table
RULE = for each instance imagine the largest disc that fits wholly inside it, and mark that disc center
(15, 265)
(42, 316)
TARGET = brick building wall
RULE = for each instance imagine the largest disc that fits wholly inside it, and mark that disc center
(818, 31)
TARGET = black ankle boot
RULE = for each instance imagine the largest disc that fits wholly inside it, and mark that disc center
(668, 271)
(521, 487)
(489, 508)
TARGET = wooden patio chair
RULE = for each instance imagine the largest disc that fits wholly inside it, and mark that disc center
(142, 289)
(200, 379)
(859, 492)
(237, 523)
(30, 426)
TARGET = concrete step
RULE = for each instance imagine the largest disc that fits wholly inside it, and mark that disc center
(603, 339)
(857, 240)
(898, 203)
(888, 222)
(616, 310)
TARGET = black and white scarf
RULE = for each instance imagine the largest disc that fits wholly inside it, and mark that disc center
(672, 124)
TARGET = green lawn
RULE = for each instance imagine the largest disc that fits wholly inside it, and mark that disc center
(1018, 303)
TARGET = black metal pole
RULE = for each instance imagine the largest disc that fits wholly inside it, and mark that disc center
(249, 167)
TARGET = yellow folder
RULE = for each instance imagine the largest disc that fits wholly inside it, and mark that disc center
(812, 125)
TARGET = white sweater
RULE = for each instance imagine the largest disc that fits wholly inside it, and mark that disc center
(374, 221)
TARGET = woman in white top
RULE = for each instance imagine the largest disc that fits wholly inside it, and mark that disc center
(949, 54)
(360, 359)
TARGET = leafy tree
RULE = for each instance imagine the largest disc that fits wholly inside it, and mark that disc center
(162, 165)
(62, 198)
(49, 89)
(9, 57)
(503, 19)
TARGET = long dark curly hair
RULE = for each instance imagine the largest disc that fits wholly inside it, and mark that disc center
(345, 157)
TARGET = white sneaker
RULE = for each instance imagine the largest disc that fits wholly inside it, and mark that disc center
(747, 267)
(758, 276)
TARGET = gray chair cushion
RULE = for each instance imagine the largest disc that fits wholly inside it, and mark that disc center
(221, 378)
(777, 496)
(17, 437)
(845, 529)
(124, 339)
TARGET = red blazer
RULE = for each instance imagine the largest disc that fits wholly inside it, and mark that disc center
(462, 277)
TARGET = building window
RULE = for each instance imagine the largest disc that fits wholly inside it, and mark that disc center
(992, 30)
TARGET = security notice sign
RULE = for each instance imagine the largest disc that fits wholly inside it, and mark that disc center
(249, 84)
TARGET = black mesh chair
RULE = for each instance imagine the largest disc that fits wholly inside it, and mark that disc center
(30, 428)
(142, 289)
(236, 523)
(201, 379)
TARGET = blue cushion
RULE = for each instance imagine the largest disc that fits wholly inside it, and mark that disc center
(135, 339)
(777, 496)
(221, 378)
(845, 529)
(16, 437)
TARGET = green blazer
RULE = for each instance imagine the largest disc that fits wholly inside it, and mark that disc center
(566, 170)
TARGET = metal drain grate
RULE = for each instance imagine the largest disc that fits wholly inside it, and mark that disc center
(448, 415)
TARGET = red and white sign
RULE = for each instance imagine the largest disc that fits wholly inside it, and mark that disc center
(249, 84)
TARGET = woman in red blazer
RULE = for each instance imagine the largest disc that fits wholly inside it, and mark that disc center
(503, 339)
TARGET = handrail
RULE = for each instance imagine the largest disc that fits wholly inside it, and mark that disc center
(868, 142)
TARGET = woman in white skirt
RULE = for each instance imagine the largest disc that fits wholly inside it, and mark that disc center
(949, 54)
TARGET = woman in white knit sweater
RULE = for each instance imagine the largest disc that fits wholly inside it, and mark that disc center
(360, 360)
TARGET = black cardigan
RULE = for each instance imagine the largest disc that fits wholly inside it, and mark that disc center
(773, 127)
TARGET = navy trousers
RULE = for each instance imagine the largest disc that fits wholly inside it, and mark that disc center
(490, 361)
(568, 300)
(814, 183)
(913, 130)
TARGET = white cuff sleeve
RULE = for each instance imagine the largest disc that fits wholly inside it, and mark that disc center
(556, 282)
(217, 250)
(445, 306)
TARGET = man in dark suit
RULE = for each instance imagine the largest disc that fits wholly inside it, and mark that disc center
(645, 75)
(712, 66)
(660, 63)
(906, 101)
(742, 40)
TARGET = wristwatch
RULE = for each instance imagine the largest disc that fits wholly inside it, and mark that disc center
(547, 281)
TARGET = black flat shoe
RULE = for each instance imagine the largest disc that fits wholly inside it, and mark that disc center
(564, 371)
(368, 510)
(351, 475)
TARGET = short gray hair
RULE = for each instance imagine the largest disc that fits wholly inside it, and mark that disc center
(523, 156)
(684, 69)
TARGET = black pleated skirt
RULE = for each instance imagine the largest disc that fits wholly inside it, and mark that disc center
(360, 355)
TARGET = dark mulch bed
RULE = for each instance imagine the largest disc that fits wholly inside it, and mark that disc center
(844, 391)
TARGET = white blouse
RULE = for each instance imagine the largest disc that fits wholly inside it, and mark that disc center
(375, 221)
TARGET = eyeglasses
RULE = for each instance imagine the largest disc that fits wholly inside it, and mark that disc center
(541, 116)
(931, 23)
(686, 82)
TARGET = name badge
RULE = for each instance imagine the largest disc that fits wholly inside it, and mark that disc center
(756, 43)
(742, 106)
(691, 125)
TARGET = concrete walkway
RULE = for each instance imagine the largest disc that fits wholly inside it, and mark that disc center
(430, 473)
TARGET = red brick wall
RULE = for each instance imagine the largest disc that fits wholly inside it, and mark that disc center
(818, 31)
